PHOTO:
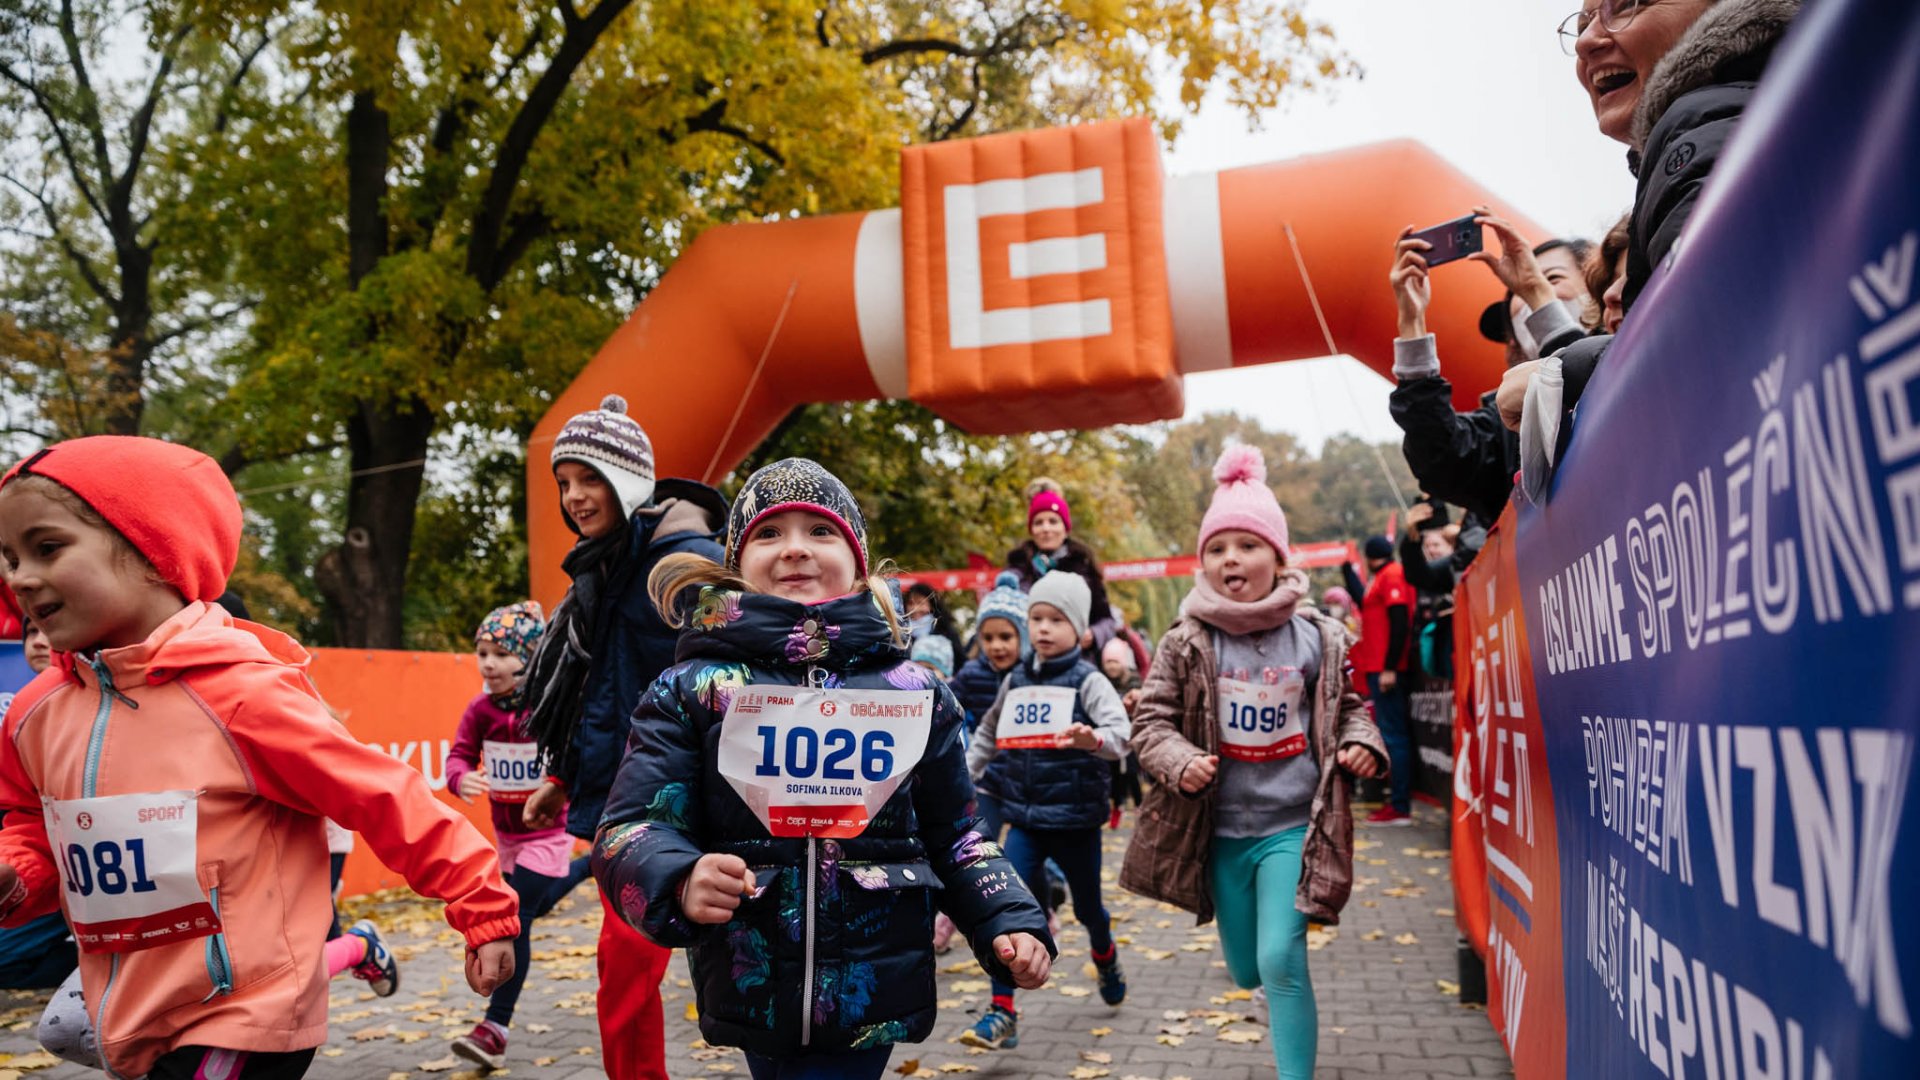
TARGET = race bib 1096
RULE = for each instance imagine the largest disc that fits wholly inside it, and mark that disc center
(813, 762)
(1261, 721)
(129, 869)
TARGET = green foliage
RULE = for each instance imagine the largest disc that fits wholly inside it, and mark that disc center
(933, 495)
(526, 172)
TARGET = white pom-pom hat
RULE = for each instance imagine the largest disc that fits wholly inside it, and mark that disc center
(1244, 501)
(613, 444)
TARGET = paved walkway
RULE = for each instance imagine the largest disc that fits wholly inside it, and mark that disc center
(1383, 981)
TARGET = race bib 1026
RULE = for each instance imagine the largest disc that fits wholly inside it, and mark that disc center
(1035, 717)
(129, 869)
(813, 762)
(1261, 721)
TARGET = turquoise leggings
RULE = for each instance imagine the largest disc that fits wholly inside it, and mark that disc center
(1265, 939)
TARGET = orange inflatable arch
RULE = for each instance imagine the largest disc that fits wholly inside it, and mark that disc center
(1024, 279)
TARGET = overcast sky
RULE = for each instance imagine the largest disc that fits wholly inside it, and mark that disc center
(1482, 82)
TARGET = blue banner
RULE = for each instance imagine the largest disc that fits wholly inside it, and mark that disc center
(1723, 597)
(14, 672)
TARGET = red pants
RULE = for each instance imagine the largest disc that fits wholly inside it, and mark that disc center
(632, 1030)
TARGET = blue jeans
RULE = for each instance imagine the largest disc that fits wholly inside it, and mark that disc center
(1077, 851)
(1264, 938)
(1390, 713)
(852, 1065)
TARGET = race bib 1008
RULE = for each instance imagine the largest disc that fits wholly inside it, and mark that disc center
(513, 770)
(129, 869)
(813, 762)
(1035, 717)
(1261, 721)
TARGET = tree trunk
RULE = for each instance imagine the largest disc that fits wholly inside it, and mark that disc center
(365, 578)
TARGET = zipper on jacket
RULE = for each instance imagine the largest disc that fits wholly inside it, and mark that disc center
(816, 679)
(219, 961)
(97, 739)
(100, 1018)
(806, 988)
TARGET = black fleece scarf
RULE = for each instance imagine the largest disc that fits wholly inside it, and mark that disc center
(557, 677)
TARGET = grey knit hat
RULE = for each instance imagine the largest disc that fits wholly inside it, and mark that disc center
(611, 443)
(1067, 593)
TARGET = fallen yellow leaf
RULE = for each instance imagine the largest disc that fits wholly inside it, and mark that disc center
(1241, 1035)
(1101, 1032)
(445, 1064)
(1406, 939)
(1448, 987)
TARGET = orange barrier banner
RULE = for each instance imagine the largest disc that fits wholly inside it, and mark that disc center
(1506, 867)
(407, 704)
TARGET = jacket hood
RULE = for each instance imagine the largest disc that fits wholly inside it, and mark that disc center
(684, 506)
(201, 634)
(1730, 42)
(849, 631)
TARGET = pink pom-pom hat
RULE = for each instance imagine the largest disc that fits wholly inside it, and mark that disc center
(1244, 501)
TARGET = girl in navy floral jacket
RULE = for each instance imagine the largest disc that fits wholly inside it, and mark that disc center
(794, 805)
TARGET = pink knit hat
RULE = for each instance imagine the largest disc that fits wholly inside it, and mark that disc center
(1043, 501)
(1244, 501)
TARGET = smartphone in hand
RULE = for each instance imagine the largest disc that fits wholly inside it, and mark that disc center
(1451, 240)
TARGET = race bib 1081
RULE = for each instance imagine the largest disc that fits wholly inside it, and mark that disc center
(813, 762)
(129, 869)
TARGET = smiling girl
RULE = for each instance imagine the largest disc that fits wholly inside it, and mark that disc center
(1248, 721)
(794, 799)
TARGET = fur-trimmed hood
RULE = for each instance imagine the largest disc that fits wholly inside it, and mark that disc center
(1730, 42)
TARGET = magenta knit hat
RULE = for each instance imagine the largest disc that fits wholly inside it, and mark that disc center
(1044, 501)
(1244, 501)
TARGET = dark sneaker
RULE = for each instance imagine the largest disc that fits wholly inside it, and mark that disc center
(998, 1029)
(379, 969)
(1113, 981)
(484, 1046)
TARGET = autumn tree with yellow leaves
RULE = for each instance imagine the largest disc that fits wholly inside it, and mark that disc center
(343, 244)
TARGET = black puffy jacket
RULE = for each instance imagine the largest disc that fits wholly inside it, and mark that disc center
(836, 952)
(1688, 111)
(632, 644)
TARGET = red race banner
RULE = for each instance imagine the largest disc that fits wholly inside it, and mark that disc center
(980, 579)
(1506, 863)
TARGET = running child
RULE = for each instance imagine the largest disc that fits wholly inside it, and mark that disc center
(492, 757)
(186, 763)
(1042, 750)
(1118, 664)
(1248, 721)
(794, 803)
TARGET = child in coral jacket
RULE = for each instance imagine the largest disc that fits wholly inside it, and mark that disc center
(186, 763)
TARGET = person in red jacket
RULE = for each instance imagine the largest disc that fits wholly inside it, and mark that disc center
(1383, 657)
